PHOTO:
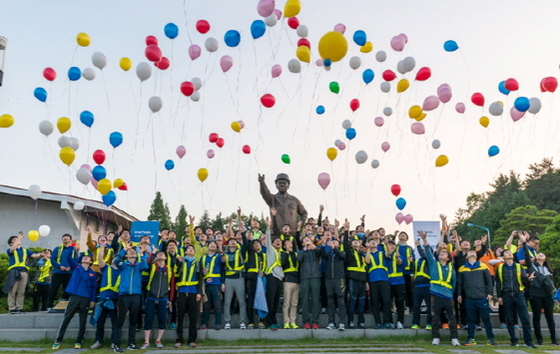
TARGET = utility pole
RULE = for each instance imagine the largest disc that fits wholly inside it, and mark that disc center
(3, 44)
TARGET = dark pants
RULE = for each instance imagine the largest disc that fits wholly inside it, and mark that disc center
(380, 299)
(273, 289)
(151, 309)
(460, 309)
(142, 302)
(128, 304)
(186, 304)
(310, 289)
(421, 294)
(398, 294)
(214, 300)
(251, 289)
(324, 295)
(58, 280)
(502, 315)
(335, 289)
(41, 296)
(100, 326)
(481, 308)
(408, 290)
(539, 303)
(517, 306)
(357, 300)
(439, 304)
(78, 304)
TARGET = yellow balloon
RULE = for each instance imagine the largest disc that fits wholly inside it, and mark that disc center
(292, 8)
(403, 85)
(419, 119)
(303, 53)
(117, 183)
(33, 235)
(236, 127)
(6, 121)
(333, 46)
(484, 121)
(63, 124)
(332, 153)
(442, 160)
(104, 186)
(125, 64)
(67, 155)
(83, 39)
(202, 174)
(415, 112)
(366, 48)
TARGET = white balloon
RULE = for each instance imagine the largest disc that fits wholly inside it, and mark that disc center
(197, 83)
(355, 62)
(64, 141)
(302, 31)
(361, 156)
(271, 20)
(155, 103)
(375, 163)
(99, 60)
(385, 86)
(74, 143)
(409, 64)
(195, 97)
(337, 142)
(400, 67)
(380, 56)
(347, 124)
(88, 74)
(144, 71)
(83, 175)
(46, 128)
(211, 44)
(79, 205)
(387, 111)
(294, 66)
(34, 191)
(496, 109)
(44, 230)
(436, 144)
(534, 105)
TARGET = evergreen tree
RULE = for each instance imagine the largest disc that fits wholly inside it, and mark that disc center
(219, 223)
(205, 222)
(160, 212)
(551, 247)
(543, 185)
(527, 218)
(181, 223)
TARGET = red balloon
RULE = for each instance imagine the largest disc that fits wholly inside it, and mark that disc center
(163, 63)
(202, 26)
(213, 137)
(549, 84)
(153, 53)
(423, 74)
(151, 40)
(220, 142)
(388, 75)
(396, 190)
(99, 156)
(268, 100)
(246, 149)
(477, 99)
(511, 85)
(49, 74)
(123, 187)
(354, 104)
(305, 42)
(187, 88)
(293, 22)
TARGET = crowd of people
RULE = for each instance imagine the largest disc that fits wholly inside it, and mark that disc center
(320, 267)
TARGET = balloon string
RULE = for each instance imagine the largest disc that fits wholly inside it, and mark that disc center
(154, 153)
(35, 218)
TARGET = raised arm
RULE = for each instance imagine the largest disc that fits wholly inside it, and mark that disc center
(320, 217)
(265, 192)
(510, 240)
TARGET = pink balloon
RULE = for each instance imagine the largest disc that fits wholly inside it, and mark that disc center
(399, 217)
(265, 8)
(226, 62)
(408, 219)
(418, 128)
(210, 153)
(278, 14)
(324, 180)
(276, 70)
(385, 146)
(340, 28)
(86, 166)
(404, 37)
(194, 51)
(515, 114)
(181, 151)
(93, 182)
(444, 95)
(241, 124)
(379, 121)
(443, 87)
(397, 43)
(319, 62)
(341, 146)
(460, 107)
(430, 103)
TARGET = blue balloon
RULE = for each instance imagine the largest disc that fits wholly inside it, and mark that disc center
(258, 28)
(368, 76)
(450, 46)
(522, 104)
(169, 165)
(232, 38)
(327, 62)
(109, 198)
(493, 150)
(40, 94)
(98, 173)
(115, 139)
(74, 73)
(502, 88)
(320, 109)
(360, 38)
(401, 203)
(350, 133)
(171, 30)
(86, 117)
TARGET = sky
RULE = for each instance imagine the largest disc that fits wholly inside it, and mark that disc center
(497, 40)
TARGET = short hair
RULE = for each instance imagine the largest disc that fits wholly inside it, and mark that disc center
(66, 235)
(172, 241)
(123, 230)
(391, 242)
(190, 246)
(197, 227)
(463, 240)
(11, 239)
(214, 242)
(88, 256)
(276, 238)
(98, 237)
(231, 239)
(111, 232)
(164, 229)
(534, 238)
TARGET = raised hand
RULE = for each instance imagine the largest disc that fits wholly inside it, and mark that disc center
(422, 234)
(321, 208)
(191, 219)
(261, 178)
(363, 218)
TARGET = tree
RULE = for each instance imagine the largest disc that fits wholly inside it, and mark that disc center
(551, 247)
(543, 185)
(181, 223)
(219, 223)
(205, 221)
(527, 218)
(160, 212)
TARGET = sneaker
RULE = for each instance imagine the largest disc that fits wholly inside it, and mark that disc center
(227, 326)
(158, 344)
(540, 342)
(351, 325)
(306, 326)
(478, 328)
(516, 326)
(323, 310)
(132, 346)
(314, 326)
(242, 325)
(445, 326)
(331, 326)
(455, 342)
(469, 342)
(112, 345)
(429, 327)
(503, 325)
(491, 343)
(435, 341)
(77, 345)
(378, 326)
(12, 312)
(287, 326)
(341, 326)
(172, 325)
(118, 349)
(251, 326)
(465, 327)
(203, 326)
(361, 325)
(261, 325)
(20, 312)
(294, 326)
(530, 345)
(514, 345)
(177, 345)
(96, 345)
(415, 327)
(399, 325)
(56, 346)
(274, 327)
(192, 345)
(145, 346)
(388, 326)
(218, 327)
(459, 326)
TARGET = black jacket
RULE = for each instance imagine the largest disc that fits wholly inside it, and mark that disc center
(507, 282)
(335, 259)
(290, 276)
(474, 281)
(309, 266)
(159, 286)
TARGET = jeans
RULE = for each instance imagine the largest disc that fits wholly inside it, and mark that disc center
(151, 306)
(421, 294)
(480, 306)
(100, 326)
(213, 295)
(357, 301)
(539, 303)
(398, 294)
(439, 304)
(517, 305)
(310, 302)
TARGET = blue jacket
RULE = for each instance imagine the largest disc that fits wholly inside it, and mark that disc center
(437, 289)
(131, 275)
(60, 256)
(83, 282)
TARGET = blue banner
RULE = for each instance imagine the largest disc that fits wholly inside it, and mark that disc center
(143, 228)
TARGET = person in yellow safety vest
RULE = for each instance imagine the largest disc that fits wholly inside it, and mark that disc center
(442, 283)
(144, 250)
(255, 264)
(286, 234)
(357, 279)
(189, 292)
(172, 255)
(378, 283)
(61, 268)
(290, 265)
(406, 254)
(200, 244)
(94, 249)
(18, 276)
(396, 281)
(274, 275)
(213, 269)
(42, 280)
(421, 272)
(235, 280)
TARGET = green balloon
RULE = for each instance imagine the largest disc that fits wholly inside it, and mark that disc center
(286, 158)
(335, 87)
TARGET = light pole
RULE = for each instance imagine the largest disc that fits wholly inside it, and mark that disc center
(487, 233)
(3, 44)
